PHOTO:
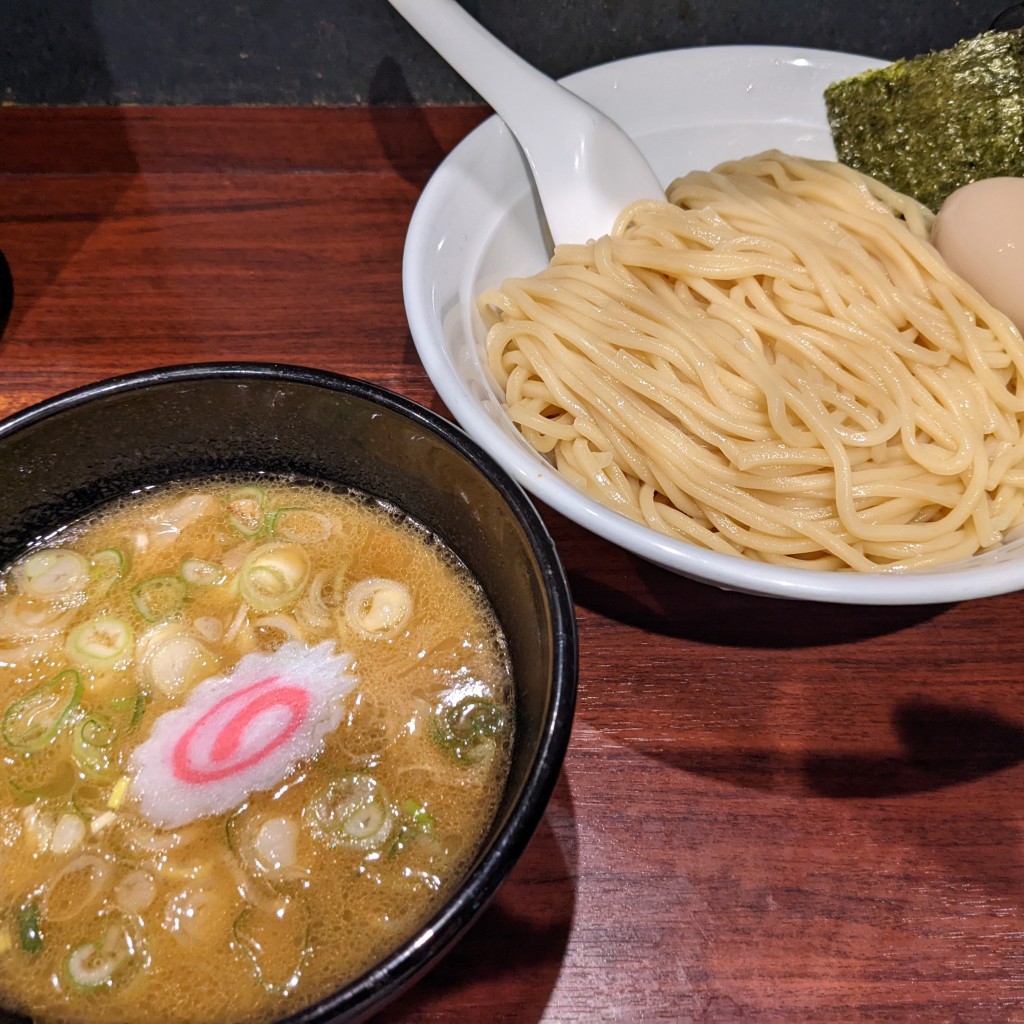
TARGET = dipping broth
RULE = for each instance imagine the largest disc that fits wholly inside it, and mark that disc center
(253, 734)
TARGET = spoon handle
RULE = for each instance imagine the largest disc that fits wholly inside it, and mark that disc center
(585, 167)
(497, 73)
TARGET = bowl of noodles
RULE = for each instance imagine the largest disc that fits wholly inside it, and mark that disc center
(287, 674)
(770, 383)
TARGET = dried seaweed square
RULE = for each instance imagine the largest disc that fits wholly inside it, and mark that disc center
(928, 125)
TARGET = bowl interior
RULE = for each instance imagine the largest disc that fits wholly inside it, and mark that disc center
(84, 449)
(478, 222)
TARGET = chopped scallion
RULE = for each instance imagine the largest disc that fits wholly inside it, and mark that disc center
(118, 793)
(33, 722)
(352, 811)
(95, 964)
(30, 933)
(275, 937)
(245, 510)
(108, 566)
(131, 708)
(301, 525)
(91, 740)
(56, 786)
(159, 597)
(273, 575)
(198, 572)
(414, 820)
(100, 642)
(468, 729)
(53, 571)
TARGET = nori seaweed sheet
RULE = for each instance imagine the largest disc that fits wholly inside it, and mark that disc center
(928, 125)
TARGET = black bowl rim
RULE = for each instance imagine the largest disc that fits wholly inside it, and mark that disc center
(399, 969)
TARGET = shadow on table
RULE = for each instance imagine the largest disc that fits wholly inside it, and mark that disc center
(630, 590)
(942, 745)
(73, 64)
(514, 951)
(414, 151)
(917, 798)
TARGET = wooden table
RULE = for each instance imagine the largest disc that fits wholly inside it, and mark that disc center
(770, 811)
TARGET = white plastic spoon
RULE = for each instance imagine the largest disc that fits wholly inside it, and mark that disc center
(587, 170)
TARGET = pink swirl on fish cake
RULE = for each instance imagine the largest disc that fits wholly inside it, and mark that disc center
(243, 710)
(240, 733)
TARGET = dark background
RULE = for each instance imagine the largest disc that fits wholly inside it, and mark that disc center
(358, 52)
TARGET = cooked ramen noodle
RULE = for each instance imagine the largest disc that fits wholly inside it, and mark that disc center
(776, 363)
(252, 735)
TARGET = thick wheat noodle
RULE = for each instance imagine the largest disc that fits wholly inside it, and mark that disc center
(775, 363)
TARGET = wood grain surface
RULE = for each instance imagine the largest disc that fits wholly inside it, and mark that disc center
(770, 811)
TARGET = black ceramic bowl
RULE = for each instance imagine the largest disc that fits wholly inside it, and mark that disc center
(67, 455)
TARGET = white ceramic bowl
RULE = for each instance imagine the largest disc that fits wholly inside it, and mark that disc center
(478, 222)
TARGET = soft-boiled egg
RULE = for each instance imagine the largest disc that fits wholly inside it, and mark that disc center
(980, 232)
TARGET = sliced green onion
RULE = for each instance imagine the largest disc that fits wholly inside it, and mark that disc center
(415, 820)
(467, 730)
(159, 597)
(95, 964)
(301, 525)
(378, 608)
(25, 619)
(418, 814)
(33, 722)
(267, 846)
(352, 811)
(132, 708)
(175, 663)
(91, 741)
(56, 786)
(108, 566)
(30, 933)
(90, 799)
(245, 510)
(92, 744)
(99, 643)
(53, 571)
(275, 937)
(273, 575)
(96, 731)
(76, 887)
(118, 792)
(135, 892)
(198, 572)
(68, 834)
